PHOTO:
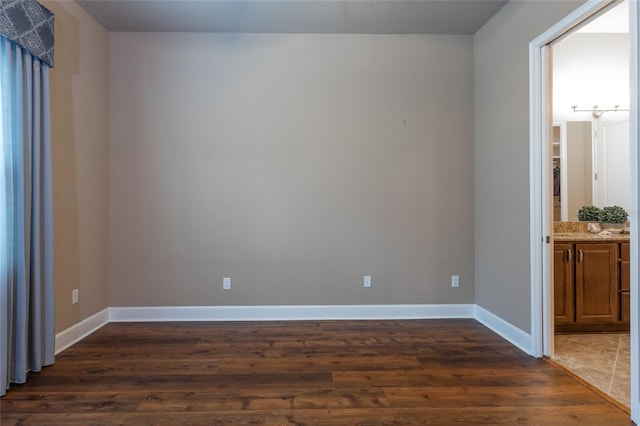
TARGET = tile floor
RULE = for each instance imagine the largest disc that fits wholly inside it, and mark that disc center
(602, 359)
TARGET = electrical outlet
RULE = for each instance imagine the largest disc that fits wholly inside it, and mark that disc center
(74, 296)
(367, 281)
(226, 283)
(455, 280)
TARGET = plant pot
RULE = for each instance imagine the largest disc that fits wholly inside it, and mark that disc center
(615, 228)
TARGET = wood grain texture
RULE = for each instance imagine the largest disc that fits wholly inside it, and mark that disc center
(435, 372)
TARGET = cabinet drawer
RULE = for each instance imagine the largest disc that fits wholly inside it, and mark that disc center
(625, 275)
(625, 251)
(625, 307)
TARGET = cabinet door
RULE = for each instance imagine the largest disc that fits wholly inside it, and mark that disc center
(596, 283)
(563, 301)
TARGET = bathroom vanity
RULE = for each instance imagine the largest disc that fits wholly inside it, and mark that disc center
(591, 282)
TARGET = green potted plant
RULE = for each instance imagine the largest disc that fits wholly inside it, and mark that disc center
(614, 215)
(589, 214)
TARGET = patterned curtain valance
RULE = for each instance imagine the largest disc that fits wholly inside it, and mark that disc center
(29, 24)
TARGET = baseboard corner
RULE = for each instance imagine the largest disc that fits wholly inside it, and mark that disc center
(79, 331)
(506, 330)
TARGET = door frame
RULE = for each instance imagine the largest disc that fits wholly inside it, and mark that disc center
(540, 184)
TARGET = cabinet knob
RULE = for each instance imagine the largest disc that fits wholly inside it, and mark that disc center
(568, 256)
(580, 255)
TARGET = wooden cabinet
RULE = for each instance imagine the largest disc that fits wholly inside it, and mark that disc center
(564, 300)
(588, 286)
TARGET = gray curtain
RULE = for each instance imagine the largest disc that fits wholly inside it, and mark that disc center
(27, 331)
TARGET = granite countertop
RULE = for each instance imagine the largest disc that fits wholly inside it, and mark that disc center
(587, 236)
(577, 231)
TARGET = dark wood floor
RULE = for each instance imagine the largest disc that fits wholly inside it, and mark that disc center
(436, 372)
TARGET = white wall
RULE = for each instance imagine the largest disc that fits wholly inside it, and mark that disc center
(588, 70)
(501, 76)
(612, 164)
(295, 164)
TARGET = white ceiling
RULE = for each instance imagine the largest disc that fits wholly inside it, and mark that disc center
(295, 16)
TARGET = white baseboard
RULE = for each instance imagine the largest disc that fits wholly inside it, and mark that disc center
(77, 332)
(288, 313)
(296, 312)
(506, 330)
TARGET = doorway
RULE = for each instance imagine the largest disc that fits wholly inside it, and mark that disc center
(590, 151)
(541, 224)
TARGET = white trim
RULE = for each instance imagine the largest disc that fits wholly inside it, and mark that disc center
(287, 313)
(536, 231)
(594, 168)
(583, 14)
(79, 331)
(546, 212)
(634, 204)
(294, 312)
(506, 330)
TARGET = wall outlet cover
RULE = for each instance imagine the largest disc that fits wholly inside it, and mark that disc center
(367, 281)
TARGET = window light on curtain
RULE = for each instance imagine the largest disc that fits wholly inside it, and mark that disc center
(27, 330)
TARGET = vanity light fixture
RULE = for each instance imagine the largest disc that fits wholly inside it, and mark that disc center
(597, 112)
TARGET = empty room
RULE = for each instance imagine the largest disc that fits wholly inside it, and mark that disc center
(286, 212)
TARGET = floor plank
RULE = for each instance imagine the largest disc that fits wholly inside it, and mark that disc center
(435, 372)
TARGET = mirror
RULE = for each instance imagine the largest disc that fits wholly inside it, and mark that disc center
(590, 144)
(591, 166)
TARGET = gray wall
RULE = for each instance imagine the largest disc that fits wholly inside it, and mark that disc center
(501, 76)
(294, 164)
(79, 127)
